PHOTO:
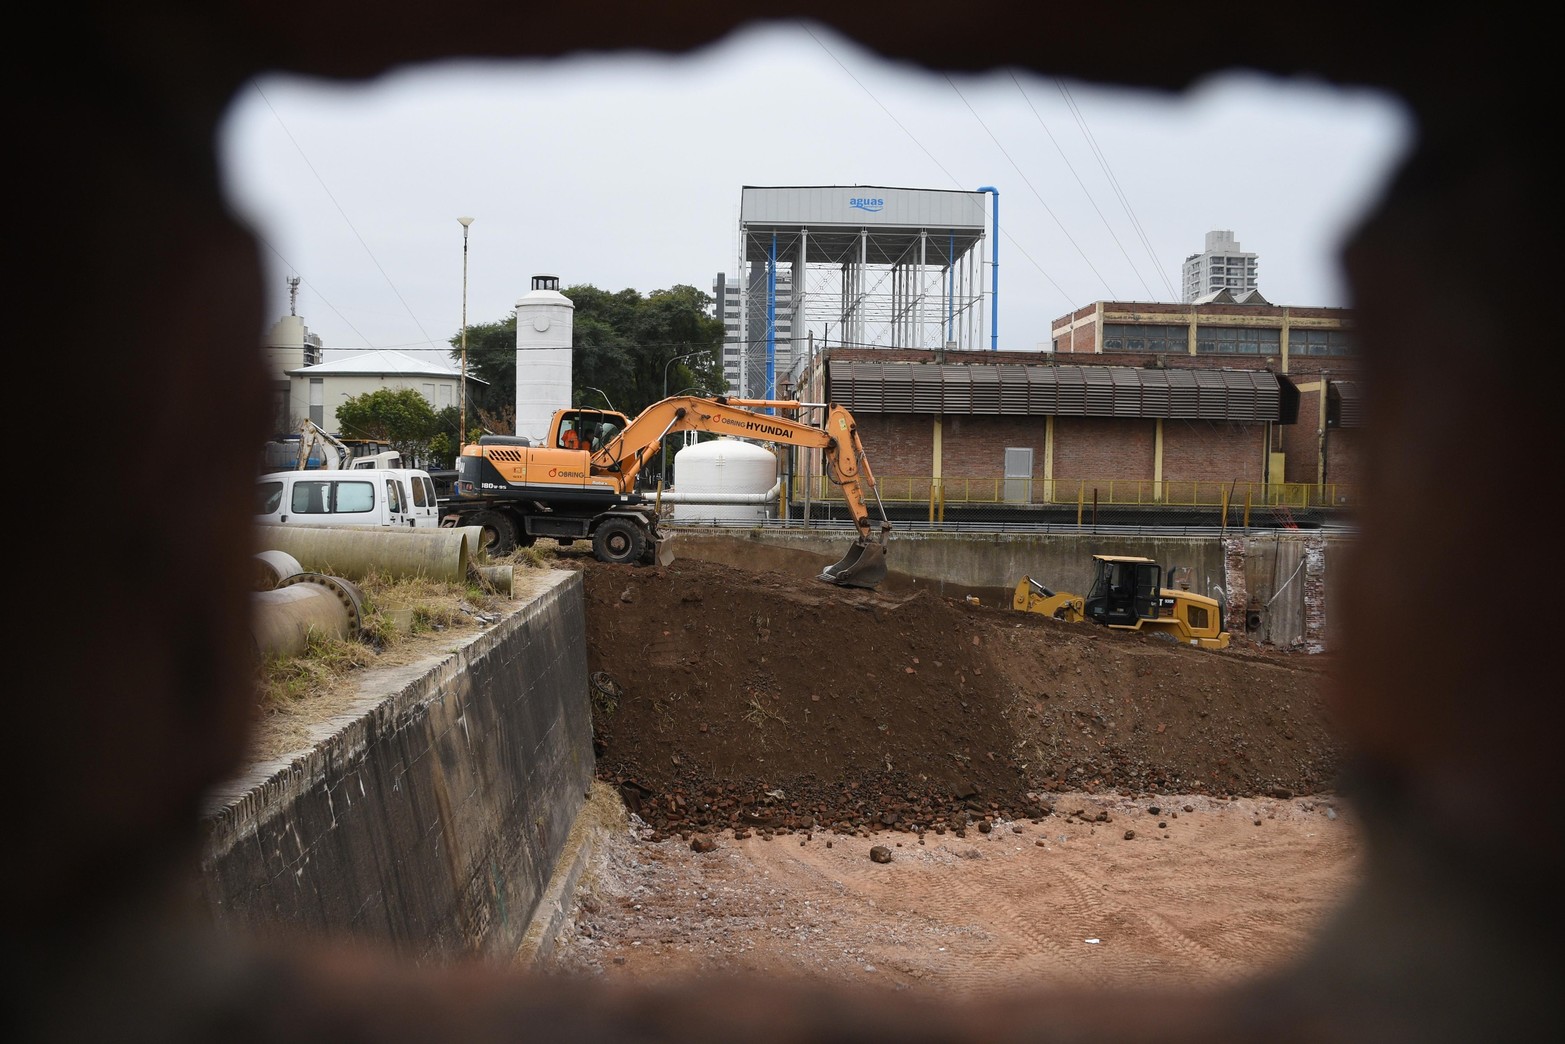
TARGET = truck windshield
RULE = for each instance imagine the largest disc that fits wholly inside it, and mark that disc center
(268, 496)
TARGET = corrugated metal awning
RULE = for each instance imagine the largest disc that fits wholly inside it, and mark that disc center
(1062, 391)
(1346, 404)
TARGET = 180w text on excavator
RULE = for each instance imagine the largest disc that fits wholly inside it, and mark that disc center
(580, 482)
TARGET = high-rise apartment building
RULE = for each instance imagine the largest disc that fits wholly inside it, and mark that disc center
(1221, 266)
(749, 380)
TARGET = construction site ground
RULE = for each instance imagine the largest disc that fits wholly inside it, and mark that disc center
(898, 789)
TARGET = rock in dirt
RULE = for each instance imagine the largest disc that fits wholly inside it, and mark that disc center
(880, 854)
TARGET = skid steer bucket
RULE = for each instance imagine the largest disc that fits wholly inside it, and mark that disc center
(863, 566)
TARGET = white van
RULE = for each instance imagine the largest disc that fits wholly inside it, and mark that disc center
(355, 497)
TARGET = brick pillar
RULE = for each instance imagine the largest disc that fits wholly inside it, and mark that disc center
(1235, 587)
(1315, 595)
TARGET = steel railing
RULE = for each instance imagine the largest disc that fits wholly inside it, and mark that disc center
(998, 490)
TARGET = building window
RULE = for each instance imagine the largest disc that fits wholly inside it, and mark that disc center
(1319, 342)
(1238, 340)
(1144, 337)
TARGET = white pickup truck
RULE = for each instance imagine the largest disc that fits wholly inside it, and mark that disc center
(354, 497)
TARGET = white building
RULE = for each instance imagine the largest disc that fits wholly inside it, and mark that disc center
(745, 354)
(324, 387)
(1221, 266)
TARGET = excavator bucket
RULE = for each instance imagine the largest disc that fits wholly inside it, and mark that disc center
(665, 550)
(863, 566)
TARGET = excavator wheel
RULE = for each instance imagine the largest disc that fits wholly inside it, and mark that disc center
(499, 537)
(618, 541)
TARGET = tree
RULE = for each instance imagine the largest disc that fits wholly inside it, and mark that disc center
(400, 416)
(491, 357)
(444, 444)
(623, 344)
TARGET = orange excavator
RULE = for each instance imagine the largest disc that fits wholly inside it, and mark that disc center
(580, 483)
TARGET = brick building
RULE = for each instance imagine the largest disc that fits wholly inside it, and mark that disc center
(1180, 404)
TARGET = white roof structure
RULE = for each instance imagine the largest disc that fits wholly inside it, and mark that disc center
(385, 362)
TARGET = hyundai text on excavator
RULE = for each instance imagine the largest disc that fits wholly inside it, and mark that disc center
(1127, 594)
(581, 482)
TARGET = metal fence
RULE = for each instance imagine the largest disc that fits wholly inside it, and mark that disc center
(922, 489)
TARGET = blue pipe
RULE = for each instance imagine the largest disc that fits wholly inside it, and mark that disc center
(950, 286)
(771, 325)
(994, 278)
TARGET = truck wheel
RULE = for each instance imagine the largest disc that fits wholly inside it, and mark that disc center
(619, 541)
(499, 537)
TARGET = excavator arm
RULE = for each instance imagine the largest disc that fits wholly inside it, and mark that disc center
(311, 435)
(837, 439)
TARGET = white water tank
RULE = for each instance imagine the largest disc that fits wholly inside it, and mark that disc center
(544, 318)
(723, 467)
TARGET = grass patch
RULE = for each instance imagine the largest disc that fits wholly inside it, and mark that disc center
(287, 681)
(535, 556)
(396, 615)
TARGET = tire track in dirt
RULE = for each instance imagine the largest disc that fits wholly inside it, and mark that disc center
(1192, 957)
(996, 939)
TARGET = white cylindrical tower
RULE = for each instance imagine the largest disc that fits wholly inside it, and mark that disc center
(544, 318)
(735, 474)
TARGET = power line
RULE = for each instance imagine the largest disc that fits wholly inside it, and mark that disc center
(1135, 223)
(291, 267)
(348, 221)
(1085, 191)
(949, 176)
(1029, 184)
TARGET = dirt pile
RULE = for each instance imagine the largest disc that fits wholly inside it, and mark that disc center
(769, 702)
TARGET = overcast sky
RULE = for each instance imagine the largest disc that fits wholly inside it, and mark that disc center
(625, 172)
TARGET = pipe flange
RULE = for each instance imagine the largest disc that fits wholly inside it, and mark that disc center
(348, 594)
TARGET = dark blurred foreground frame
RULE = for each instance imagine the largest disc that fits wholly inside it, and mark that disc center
(139, 311)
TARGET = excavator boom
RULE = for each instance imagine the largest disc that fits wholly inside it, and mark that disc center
(837, 438)
(580, 481)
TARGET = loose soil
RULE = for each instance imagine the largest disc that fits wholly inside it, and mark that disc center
(900, 790)
(729, 699)
(1121, 892)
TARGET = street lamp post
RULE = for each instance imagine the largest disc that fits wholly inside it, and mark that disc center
(600, 391)
(461, 434)
(675, 359)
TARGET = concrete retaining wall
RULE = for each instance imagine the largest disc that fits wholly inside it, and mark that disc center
(959, 563)
(1281, 581)
(432, 816)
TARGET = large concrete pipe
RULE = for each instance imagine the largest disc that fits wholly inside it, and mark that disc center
(475, 540)
(273, 567)
(439, 554)
(501, 579)
(282, 620)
